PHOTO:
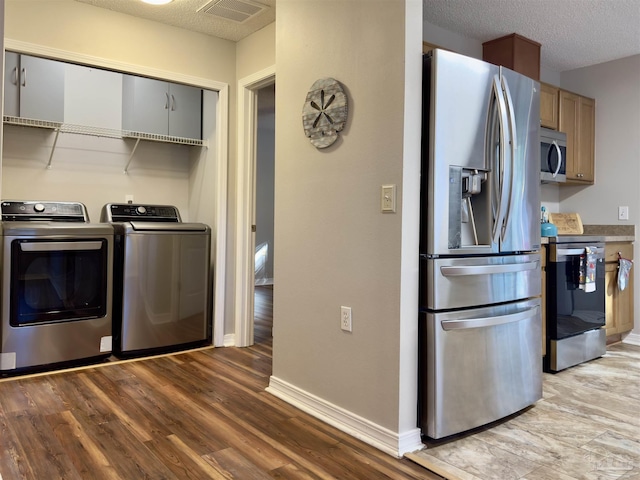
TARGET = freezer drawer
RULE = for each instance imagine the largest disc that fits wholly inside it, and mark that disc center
(448, 283)
(478, 365)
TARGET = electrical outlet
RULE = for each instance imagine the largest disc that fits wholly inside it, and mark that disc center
(345, 319)
(623, 213)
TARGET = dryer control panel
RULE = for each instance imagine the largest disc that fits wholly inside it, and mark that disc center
(29, 211)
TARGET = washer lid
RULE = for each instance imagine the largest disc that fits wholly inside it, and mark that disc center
(168, 227)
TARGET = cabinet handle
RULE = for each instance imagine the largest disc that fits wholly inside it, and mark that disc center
(166, 104)
(24, 77)
(173, 102)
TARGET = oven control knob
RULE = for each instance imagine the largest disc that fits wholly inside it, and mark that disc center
(141, 210)
(38, 207)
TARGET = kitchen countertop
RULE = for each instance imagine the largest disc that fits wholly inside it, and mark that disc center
(610, 233)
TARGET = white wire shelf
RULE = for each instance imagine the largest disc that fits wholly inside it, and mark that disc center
(163, 138)
(99, 132)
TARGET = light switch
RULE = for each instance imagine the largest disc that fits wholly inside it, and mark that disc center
(388, 199)
(623, 213)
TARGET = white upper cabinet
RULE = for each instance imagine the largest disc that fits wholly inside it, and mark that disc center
(162, 108)
(87, 100)
(33, 88)
(92, 97)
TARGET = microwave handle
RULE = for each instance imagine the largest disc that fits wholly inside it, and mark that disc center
(555, 144)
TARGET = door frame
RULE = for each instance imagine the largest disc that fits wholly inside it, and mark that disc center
(245, 207)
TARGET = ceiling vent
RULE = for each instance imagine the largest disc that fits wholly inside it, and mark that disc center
(236, 10)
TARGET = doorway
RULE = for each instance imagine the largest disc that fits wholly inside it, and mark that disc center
(247, 214)
(264, 208)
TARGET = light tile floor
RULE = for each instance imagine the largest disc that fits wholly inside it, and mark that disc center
(587, 426)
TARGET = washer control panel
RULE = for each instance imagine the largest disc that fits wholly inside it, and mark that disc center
(128, 212)
(21, 210)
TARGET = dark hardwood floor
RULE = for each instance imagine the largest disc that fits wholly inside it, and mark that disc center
(201, 414)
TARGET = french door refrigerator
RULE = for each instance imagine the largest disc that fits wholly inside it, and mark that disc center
(480, 284)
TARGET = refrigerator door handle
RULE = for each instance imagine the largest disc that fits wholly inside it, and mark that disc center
(499, 164)
(483, 322)
(512, 154)
(458, 271)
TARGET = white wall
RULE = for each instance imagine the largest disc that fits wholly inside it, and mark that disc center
(90, 170)
(333, 245)
(616, 88)
(441, 37)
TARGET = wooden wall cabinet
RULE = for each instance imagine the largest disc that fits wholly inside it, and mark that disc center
(576, 118)
(514, 52)
(618, 304)
(549, 96)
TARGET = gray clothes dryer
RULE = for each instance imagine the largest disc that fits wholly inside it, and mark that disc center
(162, 298)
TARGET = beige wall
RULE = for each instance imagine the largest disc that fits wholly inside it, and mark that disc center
(332, 244)
(85, 29)
(256, 52)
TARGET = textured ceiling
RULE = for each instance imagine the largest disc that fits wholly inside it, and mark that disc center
(184, 14)
(573, 33)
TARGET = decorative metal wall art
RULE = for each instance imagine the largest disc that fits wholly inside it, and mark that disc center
(325, 112)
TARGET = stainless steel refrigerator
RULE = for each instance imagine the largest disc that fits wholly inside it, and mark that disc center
(480, 314)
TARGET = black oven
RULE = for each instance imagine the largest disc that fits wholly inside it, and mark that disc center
(575, 299)
(58, 280)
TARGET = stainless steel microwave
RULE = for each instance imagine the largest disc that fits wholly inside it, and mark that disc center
(553, 156)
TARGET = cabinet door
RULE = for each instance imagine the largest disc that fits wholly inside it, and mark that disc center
(549, 106)
(610, 307)
(586, 139)
(619, 304)
(185, 112)
(624, 308)
(577, 120)
(11, 88)
(41, 89)
(145, 105)
(92, 97)
(568, 123)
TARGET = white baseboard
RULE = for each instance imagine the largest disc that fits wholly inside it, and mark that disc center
(392, 443)
(229, 341)
(632, 338)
